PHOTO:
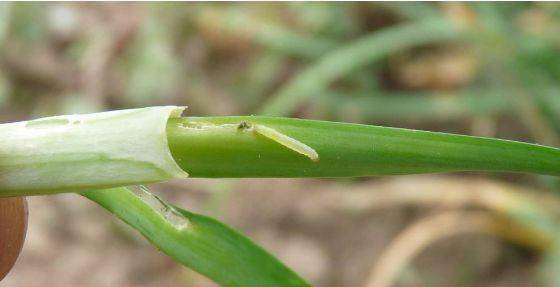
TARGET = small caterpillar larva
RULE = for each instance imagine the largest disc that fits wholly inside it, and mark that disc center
(282, 139)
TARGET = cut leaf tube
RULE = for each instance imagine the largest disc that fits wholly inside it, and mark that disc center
(214, 147)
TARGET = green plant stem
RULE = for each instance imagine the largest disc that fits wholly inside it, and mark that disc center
(203, 244)
(216, 147)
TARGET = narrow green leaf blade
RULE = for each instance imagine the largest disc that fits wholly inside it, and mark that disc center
(196, 241)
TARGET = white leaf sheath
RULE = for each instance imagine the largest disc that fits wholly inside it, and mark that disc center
(79, 152)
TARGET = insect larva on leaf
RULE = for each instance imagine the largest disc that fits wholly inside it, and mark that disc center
(282, 139)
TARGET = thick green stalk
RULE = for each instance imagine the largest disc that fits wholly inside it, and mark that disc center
(84, 152)
(224, 147)
(196, 241)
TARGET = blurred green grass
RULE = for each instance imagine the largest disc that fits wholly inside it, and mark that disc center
(288, 59)
(489, 69)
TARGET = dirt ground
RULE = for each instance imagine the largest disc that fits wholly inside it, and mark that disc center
(313, 226)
